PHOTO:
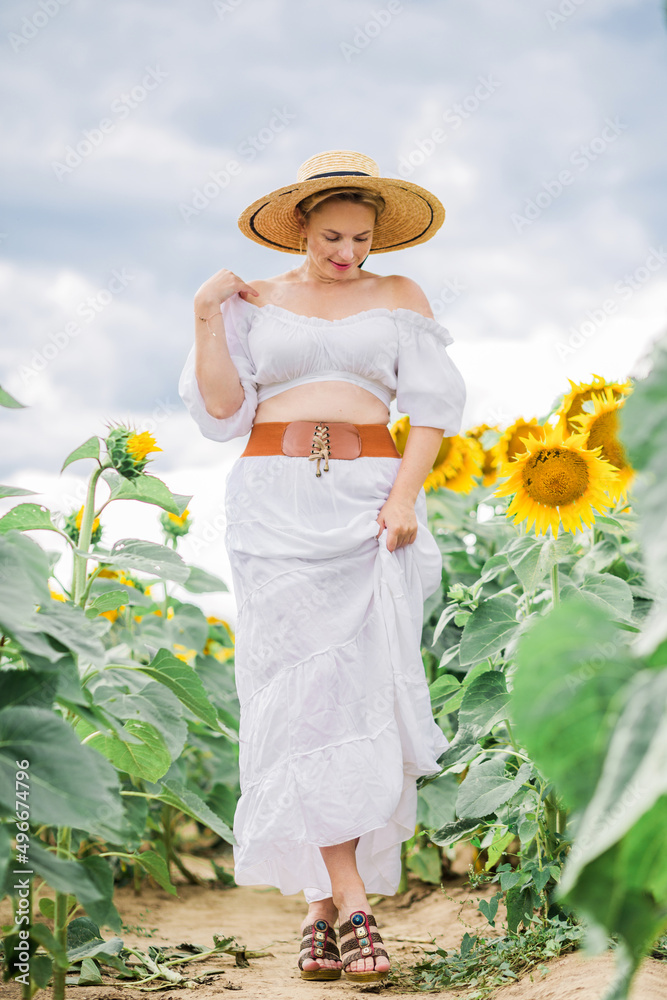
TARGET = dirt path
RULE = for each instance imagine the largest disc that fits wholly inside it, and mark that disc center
(260, 918)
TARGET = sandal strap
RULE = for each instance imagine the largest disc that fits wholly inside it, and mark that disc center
(352, 944)
(319, 942)
(356, 955)
(363, 944)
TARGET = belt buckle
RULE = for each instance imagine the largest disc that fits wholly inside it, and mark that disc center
(320, 447)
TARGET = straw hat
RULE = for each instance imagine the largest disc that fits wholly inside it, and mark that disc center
(412, 214)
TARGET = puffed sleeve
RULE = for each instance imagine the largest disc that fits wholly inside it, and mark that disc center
(429, 386)
(236, 323)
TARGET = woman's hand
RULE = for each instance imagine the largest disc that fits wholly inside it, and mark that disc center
(399, 518)
(219, 287)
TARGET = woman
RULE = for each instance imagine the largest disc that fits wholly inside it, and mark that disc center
(328, 541)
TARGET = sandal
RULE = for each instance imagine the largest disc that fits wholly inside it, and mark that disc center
(363, 946)
(319, 942)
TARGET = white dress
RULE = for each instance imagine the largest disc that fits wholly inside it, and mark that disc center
(336, 722)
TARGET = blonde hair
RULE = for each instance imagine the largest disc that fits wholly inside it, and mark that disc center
(359, 196)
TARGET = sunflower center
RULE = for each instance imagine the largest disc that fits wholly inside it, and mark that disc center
(604, 431)
(555, 477)
(516, 446)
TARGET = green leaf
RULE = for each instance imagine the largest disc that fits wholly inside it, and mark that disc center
(24, 579)
(493, 567)
(157, 867)
(624, 891)
(69, 624)
(519, 908)
(28, 687)
(489, 908)
(16, 491)
(81, 930)
(442, 687)
(201, 582)
(90, 880)
(146, 756)
(95, 948)
(90, 974)
(643, 416)
(60, 768)
(484, 703)
(486, 788)
(606, 590)
(634, 774)
(148, 489)
(531, 559)
(177, 795)
(41, 970)
(496, 849)
(570, 664)
(188, 627)
(148, 557)
(451, 833)
(463, 747)
(643, 432)
(489, 629)
(42, 934)
(89, 449)
(436, 802)
(426, 864)
(7, 400)
(154, 704)
(109, 601)
(184, 682)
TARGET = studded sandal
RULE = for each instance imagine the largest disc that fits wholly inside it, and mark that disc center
(363, 946)
(319, 942)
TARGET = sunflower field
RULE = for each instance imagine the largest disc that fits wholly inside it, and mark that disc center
(545, 649)
(118, 719)
(547, 661)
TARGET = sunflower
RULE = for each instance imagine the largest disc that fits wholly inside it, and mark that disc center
(139, 445)
(459, 458)
(572, 403)
(175, 525)
(491, 465)
(214, 647)
(73, 527)
(127, 450)
(113, 614)
(557, 480)
(399, 430)
(600, 428)
(513, 442)
(185, 654)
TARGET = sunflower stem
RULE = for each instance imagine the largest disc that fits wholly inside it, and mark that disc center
(85, 532)
(554, 585)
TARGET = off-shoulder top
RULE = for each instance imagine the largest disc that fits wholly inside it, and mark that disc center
(394, 353)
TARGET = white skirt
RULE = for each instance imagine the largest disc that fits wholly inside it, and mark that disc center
(336, 721)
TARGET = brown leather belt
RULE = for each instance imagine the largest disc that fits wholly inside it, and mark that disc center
(317, 440)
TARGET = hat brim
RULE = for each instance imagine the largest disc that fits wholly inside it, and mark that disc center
(412, 214)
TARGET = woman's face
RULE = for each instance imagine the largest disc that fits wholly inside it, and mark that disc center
(339, 234)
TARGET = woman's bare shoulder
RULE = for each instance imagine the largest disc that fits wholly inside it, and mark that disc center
(270, 289)
(407, 294)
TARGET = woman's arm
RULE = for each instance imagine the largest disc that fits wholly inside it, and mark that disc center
(215, 371)
(421, 448)
(419, 454)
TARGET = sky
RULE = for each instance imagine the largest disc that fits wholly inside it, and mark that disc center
(540, 126)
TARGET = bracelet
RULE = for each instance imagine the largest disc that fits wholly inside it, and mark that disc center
(205, 320)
